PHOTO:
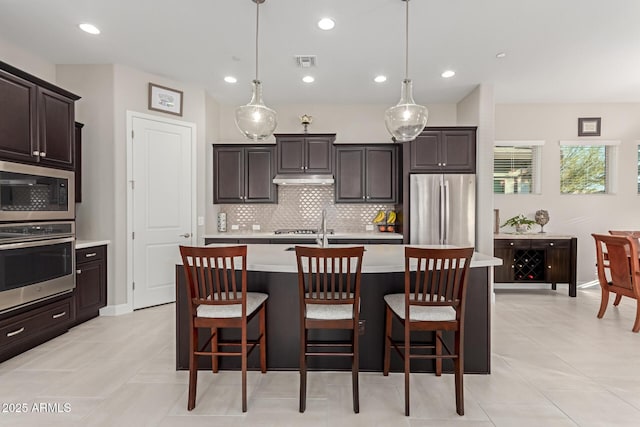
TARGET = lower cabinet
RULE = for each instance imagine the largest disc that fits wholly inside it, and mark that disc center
(32, 326)
(537, 261)
(91, 282)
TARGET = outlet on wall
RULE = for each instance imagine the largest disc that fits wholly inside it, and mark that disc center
(368, 227)
(256, 227)
(235, 227)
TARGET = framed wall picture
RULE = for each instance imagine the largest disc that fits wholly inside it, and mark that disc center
(165, 99)
(589, 126)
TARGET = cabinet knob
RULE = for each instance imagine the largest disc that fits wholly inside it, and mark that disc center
(511, 243)
(43, 154)
(512, 266)
(78, 271)
(186, 235)
(302, 168)
(36, 153)
(551, 244)
(439, 164)
(444, 164)
(548, 266)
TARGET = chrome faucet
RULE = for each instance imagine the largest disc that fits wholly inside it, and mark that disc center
(321, 238)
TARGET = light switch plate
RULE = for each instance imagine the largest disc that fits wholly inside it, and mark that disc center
(256, 227)
(200, 220)
(235, 227)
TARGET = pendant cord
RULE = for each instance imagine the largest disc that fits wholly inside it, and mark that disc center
(406, 53)
(257, 27)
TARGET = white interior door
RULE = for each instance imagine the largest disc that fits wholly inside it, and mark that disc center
(162, 206)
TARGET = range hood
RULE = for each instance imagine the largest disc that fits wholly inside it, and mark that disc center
(303, 179)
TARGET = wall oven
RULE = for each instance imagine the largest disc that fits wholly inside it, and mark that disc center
(34, 193)
(37, 261)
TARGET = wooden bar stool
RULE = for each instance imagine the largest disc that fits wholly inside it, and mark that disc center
(329, 291)
(433, 300)
(618, 270)
(218, 301)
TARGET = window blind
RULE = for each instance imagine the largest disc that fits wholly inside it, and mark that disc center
(514, 169)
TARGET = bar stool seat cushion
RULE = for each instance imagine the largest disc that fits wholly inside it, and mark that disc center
(254, 299)
(420, 313)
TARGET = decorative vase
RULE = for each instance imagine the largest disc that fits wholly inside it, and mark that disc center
(542, 218)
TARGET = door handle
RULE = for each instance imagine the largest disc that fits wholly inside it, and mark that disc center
(186, 235)
(43, 154)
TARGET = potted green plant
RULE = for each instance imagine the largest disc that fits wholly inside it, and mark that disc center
(520, 222)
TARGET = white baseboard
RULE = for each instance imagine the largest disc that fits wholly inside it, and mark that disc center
(116, 310)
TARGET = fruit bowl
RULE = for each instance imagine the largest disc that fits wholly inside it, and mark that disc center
(385, 221)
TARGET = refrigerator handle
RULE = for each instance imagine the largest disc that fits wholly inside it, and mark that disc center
(446, 213)
(442, 214)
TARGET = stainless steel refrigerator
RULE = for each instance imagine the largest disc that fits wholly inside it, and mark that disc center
(442, 209)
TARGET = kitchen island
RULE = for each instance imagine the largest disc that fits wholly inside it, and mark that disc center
(272, 270)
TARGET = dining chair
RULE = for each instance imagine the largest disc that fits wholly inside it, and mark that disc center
(218, 300)
(618, 270)
(435, 287)
(329, 295)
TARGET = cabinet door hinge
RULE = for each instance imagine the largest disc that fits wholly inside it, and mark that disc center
(133, 184)
(134, 286)
(133, 235)
(132, 134)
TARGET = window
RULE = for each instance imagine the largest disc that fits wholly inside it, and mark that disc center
(584, 168)
(515, 167)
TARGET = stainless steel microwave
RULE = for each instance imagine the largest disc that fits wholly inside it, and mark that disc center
(29, 193)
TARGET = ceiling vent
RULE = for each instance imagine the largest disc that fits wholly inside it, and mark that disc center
(306, 61)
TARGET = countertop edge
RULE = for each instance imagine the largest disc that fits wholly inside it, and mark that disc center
(532, 236)
(83, 244)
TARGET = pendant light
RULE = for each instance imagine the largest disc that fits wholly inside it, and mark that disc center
(255, 120)
(407, 119)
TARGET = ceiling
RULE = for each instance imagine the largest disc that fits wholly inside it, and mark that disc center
(556, 50)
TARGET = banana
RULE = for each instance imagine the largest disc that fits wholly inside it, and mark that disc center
(391, 218)
(379, 218)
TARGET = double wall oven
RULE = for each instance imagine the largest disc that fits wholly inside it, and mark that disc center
(37, 234)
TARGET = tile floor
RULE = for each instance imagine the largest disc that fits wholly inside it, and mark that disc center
(553, 364)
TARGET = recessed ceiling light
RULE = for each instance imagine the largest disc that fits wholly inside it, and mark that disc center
(89, 28)
(326, 24)
(448, 73)
(308, 79)
(380, 79)
(230, 79)
(500, 55)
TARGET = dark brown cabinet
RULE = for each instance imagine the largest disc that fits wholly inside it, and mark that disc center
(366, 174)
(78, 161)
(305, 153)
(31, 326)
(36, 120)
(91, 282)
(537, 261)
(244, 174)
(450, 150)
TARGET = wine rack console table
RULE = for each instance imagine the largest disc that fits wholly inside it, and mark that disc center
(536, 258)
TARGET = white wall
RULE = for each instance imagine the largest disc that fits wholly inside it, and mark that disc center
(477, 109)
(578, 215)
(109, 91)
(26, 61)
(95, 216)
(361, 123)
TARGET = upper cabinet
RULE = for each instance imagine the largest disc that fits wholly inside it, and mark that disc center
(305, 153)
(36, 120)
(448, 150)
(244, 174)
(366, 174)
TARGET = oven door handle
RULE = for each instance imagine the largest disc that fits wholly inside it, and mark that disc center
(34, 243)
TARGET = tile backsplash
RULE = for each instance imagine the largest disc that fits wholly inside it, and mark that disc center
(301, 207)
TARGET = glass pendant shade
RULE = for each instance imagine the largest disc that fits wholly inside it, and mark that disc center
(255, 120)
(406, 120)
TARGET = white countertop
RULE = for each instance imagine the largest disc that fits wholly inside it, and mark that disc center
(82, 244)
(371, 235)
(531, 236)
(376, 259)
